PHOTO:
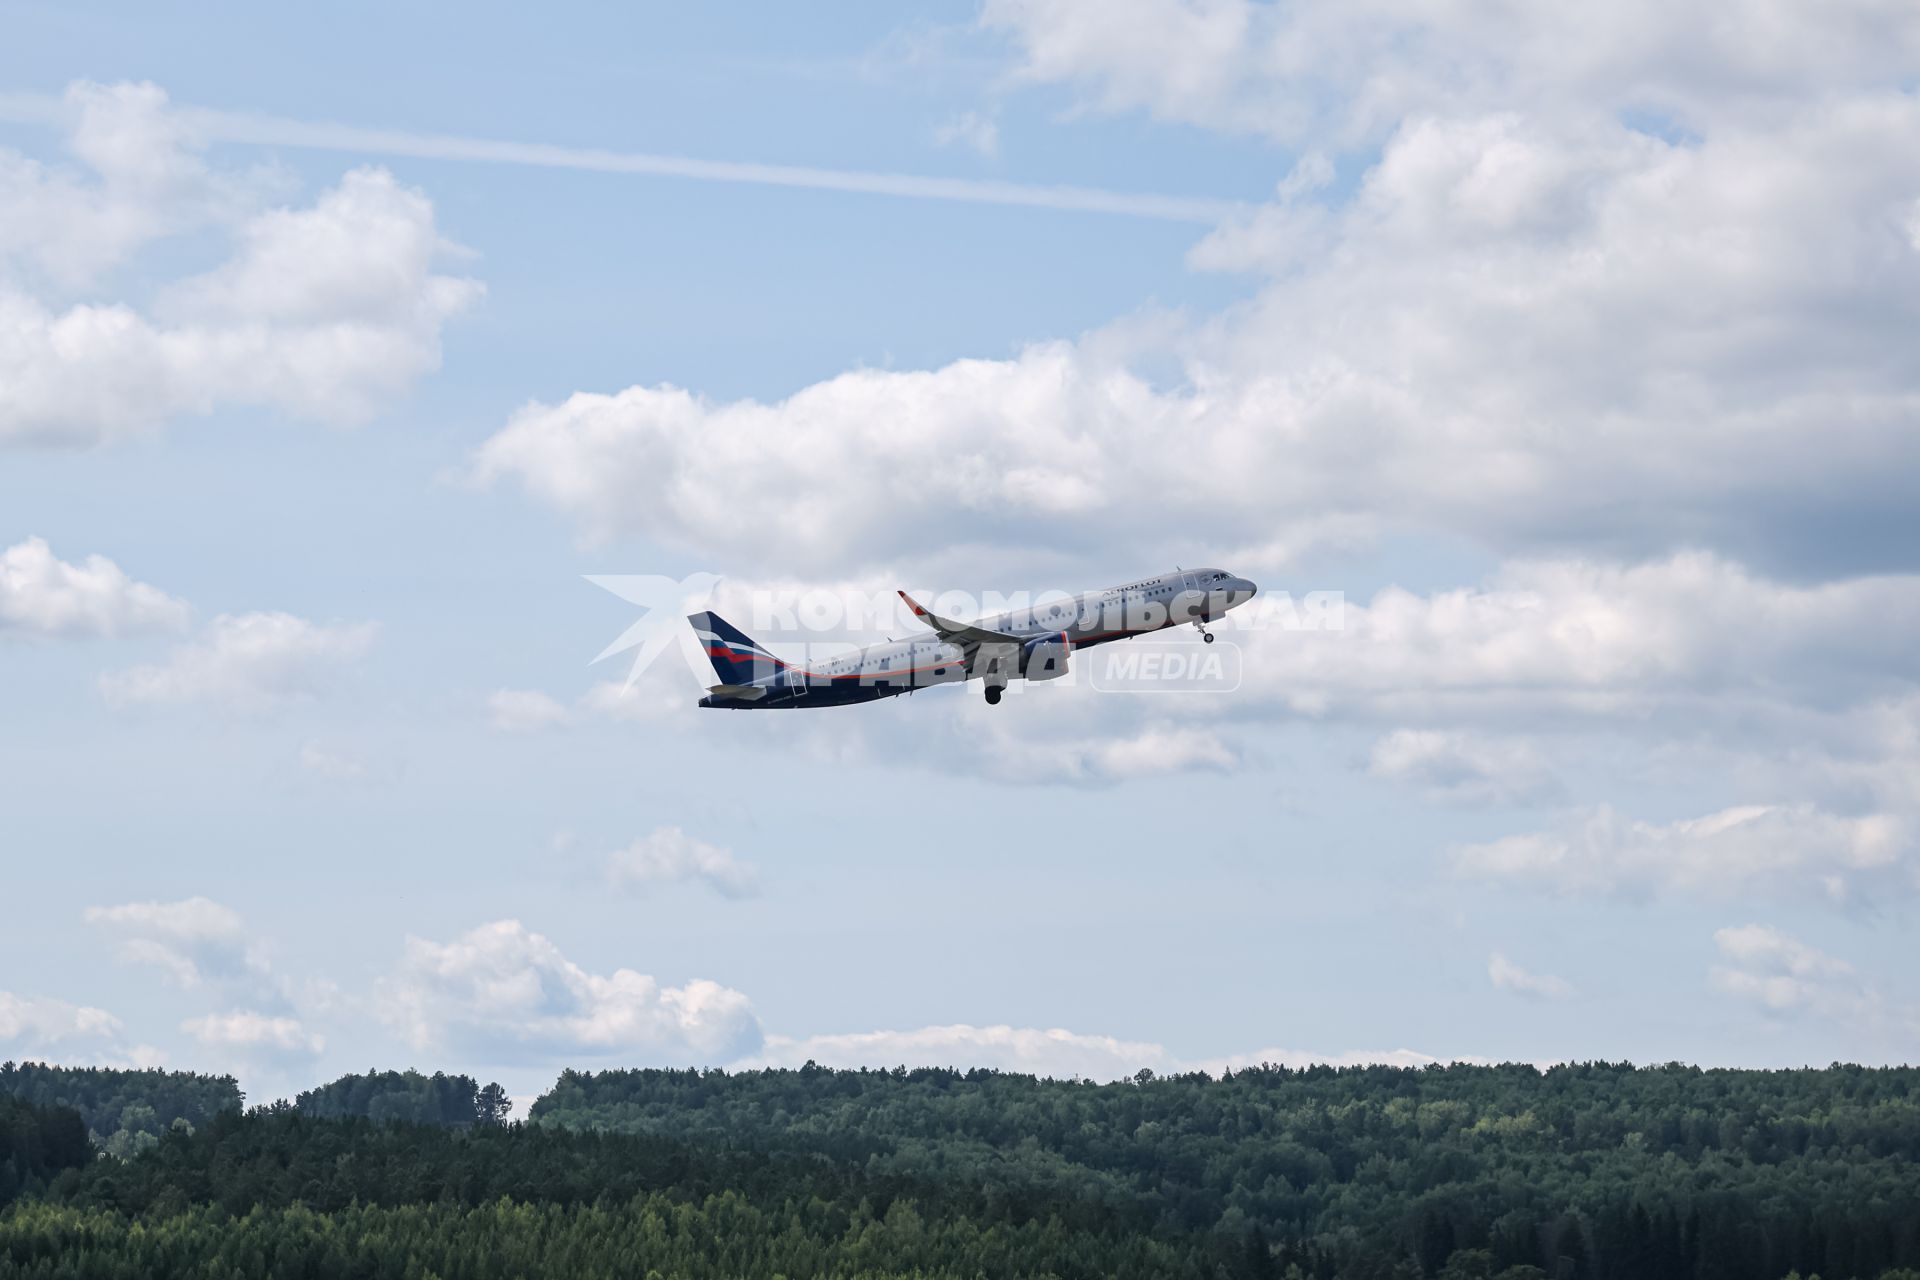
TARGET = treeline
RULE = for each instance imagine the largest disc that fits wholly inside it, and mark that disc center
(1587, 1172)
(1595, 1171)
(126, 1111)
(408, 1097)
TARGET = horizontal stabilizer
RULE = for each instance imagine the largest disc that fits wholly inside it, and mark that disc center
(744, 692)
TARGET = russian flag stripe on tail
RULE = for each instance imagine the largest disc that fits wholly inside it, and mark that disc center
(736, 659)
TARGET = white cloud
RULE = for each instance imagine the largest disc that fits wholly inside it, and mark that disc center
(1497, 273)
(1294, 72)
(325, 311)
(1508, 976)
(967, 435)
(1186, 62)
(503, 989)
(204, 947)
(360, 255)
(1053, 1051)
(195, 942)
(1693, 634)
(1792, 852)
(39, 1027)
(43, 594)
(970, 129)
(142, 179)
(525, 710)
(248, 1032)
(1464, 768)
(1788, 978)
(35, 1025)
(1091, 753)
(245, 662)
(1758, 946)
(669, 855)
(1710, 379)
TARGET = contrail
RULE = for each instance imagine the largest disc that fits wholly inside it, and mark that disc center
(248, 127)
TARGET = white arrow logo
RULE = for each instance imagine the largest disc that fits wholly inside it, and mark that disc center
(667, 602)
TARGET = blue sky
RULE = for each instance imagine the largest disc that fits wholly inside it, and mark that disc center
(1574, 353)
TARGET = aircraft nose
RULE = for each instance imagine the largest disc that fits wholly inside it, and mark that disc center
(1248, 588)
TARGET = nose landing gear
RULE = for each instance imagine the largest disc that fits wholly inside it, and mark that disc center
(993, 695)
(1200, 625)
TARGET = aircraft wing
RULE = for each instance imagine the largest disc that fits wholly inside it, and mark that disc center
(967, 636)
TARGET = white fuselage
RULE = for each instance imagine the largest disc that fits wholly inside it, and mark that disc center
(1035, 643)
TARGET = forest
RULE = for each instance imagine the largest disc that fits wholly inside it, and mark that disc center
(1584, 1172)
(124, 1111)
(410, 1097)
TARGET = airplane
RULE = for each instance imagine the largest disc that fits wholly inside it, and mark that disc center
(1023, 644)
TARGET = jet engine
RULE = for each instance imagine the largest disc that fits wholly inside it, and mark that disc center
(1045, 658)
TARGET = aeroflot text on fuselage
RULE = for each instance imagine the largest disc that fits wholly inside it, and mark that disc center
(1034, 643)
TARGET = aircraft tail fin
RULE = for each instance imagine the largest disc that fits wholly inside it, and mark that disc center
(736, 659)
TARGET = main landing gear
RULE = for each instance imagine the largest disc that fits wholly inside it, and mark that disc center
(993, 695)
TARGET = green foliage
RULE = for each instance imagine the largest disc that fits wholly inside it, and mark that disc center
(281, 1193)
(36, 1143)
(722, 1237)
(126, 1111)
(278, 1158)
(1591, 1171)
(408, 1097)
(1587, 1172)
(492, 1105)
